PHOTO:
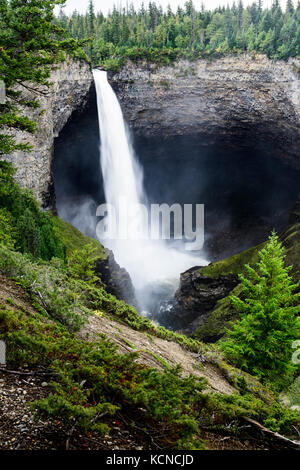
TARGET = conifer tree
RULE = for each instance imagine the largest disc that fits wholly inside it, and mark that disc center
(30, 44)
(261, 341)
(159, 35)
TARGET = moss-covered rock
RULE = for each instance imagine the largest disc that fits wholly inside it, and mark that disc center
(233, 265)
(291, 240)
(202, 304)
(219, 319)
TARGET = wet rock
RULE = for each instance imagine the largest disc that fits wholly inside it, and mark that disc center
(197, 296)
(239, 99)
(116, 279)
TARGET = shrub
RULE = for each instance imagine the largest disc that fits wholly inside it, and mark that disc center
(81, 264)
(33, 229)
(7, 230)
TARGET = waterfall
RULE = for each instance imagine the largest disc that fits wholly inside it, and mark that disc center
(147, 261)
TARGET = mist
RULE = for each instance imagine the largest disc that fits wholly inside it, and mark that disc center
(246, 191)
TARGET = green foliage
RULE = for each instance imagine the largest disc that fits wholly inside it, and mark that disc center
(94, 380)
(293, 393)
(73, 239)
(261, 341)
(68, 298)
(160, 37)
(28, 228)
(271, 414)
(49, 285)
(30, 44)
(6, 228)
(81, 264)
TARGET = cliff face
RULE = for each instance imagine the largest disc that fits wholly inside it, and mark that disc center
(71, 84)
(239, 99)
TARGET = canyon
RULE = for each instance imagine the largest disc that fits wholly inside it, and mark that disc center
(237, 102)
(240, 99)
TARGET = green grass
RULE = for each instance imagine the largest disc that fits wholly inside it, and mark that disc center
(233, 265)
(73, 239)
(159, 359)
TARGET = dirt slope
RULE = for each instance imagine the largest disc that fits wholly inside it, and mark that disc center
(154, 351)
(18, 388)
(149, 347)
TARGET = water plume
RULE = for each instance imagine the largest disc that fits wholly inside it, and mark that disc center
(149, 262)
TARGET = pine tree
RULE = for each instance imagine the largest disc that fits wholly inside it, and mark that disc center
(261, 341)
(190, 33)
(290, 8)
(30, 44)
(91, 13)
(240, 10)
(91, 18)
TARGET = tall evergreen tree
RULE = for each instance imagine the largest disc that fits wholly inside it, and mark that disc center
(261, 341)
(30, 44)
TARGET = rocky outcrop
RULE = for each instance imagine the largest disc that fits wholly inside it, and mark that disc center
(116, 279)
(71, 85)
(201, 301)
(241, 99)
(291, 240)
(197, 296)
(202, 307)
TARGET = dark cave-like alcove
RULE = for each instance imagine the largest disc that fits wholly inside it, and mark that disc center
(247, 191)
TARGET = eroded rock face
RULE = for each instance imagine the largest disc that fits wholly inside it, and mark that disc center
(197, 296)
(238, 99)
(71, 85)
(116, 279)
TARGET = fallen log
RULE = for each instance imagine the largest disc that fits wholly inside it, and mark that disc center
(274, 435)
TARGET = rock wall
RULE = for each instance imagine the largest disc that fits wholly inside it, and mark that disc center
(240, 99)
(116, 279)
(71, 85)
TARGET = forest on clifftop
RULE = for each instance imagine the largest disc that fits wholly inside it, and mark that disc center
(161, 36)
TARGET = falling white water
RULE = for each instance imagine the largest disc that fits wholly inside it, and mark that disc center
(147, 261)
